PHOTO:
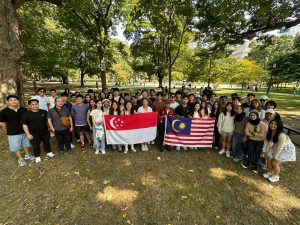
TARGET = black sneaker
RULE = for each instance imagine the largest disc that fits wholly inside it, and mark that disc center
(62, 153)
(245, 165)
(255, 169)
(70, 151)
(82, 146)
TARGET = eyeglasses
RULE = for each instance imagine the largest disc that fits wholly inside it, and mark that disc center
(262, 100)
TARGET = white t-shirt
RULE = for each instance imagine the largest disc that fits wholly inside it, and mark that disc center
(52, 102)
(98, 115)
(43, 101)
(174, 105)
(142, 110)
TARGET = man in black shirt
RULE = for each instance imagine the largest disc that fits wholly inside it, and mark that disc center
(36, 129)
(250, 97)
(183, 109)
(10, 122)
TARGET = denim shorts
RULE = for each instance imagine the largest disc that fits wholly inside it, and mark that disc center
(17, 142)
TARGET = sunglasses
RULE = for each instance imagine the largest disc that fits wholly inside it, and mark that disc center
(262, 100)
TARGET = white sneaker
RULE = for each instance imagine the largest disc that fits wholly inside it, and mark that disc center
(152, 142)
(103, 152)
(222, 151)
(21, 162)
(132, 148)
(273, 178)
(97, 152)
(72, 146)
(184, 148)
(178, 148)
(38, 159)
(267, 175)
(119, 147)
(50, 154)
(146, 148)
(216, 148)
(114, 147)
(228, 154)
(143, 147)
(30, 157)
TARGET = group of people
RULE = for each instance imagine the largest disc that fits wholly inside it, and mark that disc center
(250, 132)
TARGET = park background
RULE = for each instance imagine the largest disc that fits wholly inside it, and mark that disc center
(231, 46)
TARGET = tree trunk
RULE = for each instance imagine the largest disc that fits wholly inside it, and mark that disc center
(81, 79)
(170, 74)
(160, 79)
(11, 52)
(102, 61)
(65, 79)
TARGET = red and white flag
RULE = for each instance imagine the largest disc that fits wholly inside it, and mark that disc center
(131, 129)
(189, 132)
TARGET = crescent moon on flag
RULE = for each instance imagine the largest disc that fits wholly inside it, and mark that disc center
(111, 122)
(173, 125)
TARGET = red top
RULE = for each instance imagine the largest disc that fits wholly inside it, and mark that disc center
(164, 112)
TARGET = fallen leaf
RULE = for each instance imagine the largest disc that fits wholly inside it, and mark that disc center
(77, 173)
(124, 216)
(133, 184)
(128, 221)
(183, 196)
(143, 183)
(67, 174)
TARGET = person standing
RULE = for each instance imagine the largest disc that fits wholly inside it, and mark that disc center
(10, 122)
(79, 112)
(60, 123)
(52, 98)
(35, 126)
(44, 101)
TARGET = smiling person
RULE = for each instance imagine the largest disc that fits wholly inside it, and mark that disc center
(36, 129)
(256, 131)
(273, 150)
(44, 101)
(10, 122)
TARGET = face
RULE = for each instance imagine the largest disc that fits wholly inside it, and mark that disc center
(79, 100)
(252, 116)
(41, 93)
(73, 98)
(99, 105)
(106, 104)
(152, 92)
(102, 95)
(88, 98)
(122, 101)
(110, 96)
(268, 116)
(127, 98)
(235, 102)
(144, 94)
(255, 104)
(92, 103)
(173, 97)
(239, 110)
(197, 107)
(229, 108)
(262, 101)
(53, 94)
(128, 106)
(13, 102)
(203, 104)
(250, 98)
(273, 125)
(185, 100)
(204, 98)
(191, 98)
(64, 98)
(116, 93)
(134, 100)
(91, 94)
(145, 102)
(59, 102)
(159, 97)
(34, 106)
(213, 98)
(115, 106)
(269, 106)
(216, 105)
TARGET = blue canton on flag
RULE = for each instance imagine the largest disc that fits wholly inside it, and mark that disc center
(178, 125)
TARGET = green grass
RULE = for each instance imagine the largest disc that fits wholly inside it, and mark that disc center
(186, 187)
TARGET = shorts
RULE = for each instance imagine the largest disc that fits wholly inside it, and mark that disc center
(84, 128)
(226, 133)
(17, 142)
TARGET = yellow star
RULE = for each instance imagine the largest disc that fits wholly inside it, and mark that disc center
(181, 125)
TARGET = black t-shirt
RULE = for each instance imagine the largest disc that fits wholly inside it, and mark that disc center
(245, 105)
(12, 119)
(36, 122)
(182, 111)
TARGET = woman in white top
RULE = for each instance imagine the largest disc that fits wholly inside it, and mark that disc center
(226, 128)
(273, 147)
(255, 105)
(128, 111)
(144, 109)
(97, 116)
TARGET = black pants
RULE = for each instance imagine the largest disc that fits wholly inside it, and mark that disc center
(161, 132)
(36, 144)
(63, 138)
(217, 137)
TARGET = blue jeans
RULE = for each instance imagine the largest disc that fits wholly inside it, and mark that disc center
(237, 145)
(254, 151)
(99, 143)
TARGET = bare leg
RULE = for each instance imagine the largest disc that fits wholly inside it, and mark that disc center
(88, 136)
(81, 136)
(269, 165)
(18, 154)
(276, 166)
(26, 150)
(228, 142)
(224, 141)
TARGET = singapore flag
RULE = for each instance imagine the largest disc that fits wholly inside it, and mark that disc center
(131, 129)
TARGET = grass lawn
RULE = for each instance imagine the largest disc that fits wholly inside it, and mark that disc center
(182, 188)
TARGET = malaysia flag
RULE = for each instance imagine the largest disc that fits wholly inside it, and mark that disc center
(131, 129)
(189, 132)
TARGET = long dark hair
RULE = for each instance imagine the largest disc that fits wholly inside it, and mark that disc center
(111, 110)
(132, 109)
(205, 107)
(232, 112)
(215, 112)
(193, 110)
(278, 131)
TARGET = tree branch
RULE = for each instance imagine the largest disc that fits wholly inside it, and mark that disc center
(18, 3)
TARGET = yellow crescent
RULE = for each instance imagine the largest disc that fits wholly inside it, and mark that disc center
(173, 125)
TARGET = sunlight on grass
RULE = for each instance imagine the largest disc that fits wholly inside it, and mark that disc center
(220, 173)
(127, 162)
(117, 196)
(275, 199)
(149, 180)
